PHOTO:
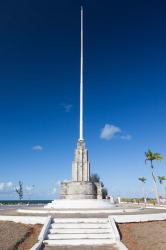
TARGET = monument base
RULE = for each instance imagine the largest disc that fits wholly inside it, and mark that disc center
(82, 204)
(75, 190)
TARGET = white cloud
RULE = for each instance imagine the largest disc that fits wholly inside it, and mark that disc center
(37, 148)
(28, 189)
(6, 186)
(9, 184)
(2, 186)
(126, 137)
(109, 131)
(67, 107)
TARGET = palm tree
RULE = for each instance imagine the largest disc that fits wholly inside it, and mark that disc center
(161, 179)
(150, 156)
(143, 180)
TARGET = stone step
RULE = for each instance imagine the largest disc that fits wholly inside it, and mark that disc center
(78, 242)
(80, 220)
(79, 225)
(78, 236)
(79, 230)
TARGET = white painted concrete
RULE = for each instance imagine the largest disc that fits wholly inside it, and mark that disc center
(79, 231)
(157, 207)
(42, 234)
(79, 211)
(90, 204)
(114, 228)
(64, 236)
(78, 242)
(77, 226)
(45, 228)
(80, 220)
(138, 217)
(24, 219)
(116, 234)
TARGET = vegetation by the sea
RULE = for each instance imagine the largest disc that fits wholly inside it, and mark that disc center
(24, 202)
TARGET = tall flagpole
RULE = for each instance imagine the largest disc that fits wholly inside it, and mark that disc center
(81, 80)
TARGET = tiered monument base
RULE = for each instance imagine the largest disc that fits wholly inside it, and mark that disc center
(76, 190)
(80, 192)
(82, 204)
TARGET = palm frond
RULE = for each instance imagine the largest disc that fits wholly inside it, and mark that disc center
(161, 179)
(150, 156)
(142, 179)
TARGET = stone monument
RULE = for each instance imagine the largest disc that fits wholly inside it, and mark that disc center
(80, 192)
(80, 187)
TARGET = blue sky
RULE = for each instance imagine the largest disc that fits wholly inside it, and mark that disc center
(124, 78)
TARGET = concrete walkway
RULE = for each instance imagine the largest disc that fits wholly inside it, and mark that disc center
(7, 210)
(112, 247)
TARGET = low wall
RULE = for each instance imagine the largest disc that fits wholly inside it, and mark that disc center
(24, 219)
(46, 221)
(138, 217)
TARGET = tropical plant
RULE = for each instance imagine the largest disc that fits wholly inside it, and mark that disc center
(104, 193)
(19, 190)
(96, 178)
(161, 179)
(150, 156)
(143, 180)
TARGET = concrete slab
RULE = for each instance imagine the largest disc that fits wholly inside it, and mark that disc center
(111, 247)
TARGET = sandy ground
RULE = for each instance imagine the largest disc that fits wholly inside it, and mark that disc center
(17, 236)
(144, 235)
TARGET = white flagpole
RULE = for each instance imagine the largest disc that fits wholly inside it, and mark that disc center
(81, 79)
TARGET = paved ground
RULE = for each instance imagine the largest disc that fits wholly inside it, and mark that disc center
(12, 210)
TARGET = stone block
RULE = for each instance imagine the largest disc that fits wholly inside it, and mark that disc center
(78, 190)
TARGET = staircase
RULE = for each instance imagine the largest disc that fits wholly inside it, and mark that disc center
(79, 231)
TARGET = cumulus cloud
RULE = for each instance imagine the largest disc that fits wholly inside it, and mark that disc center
(2, 186)
(6, 186)
(110, 131)
(9, 184)
(8, 190)
(37, 148)
(28, 189)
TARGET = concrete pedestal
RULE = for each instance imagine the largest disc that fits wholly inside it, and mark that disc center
(82, 204)
(75, 190)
